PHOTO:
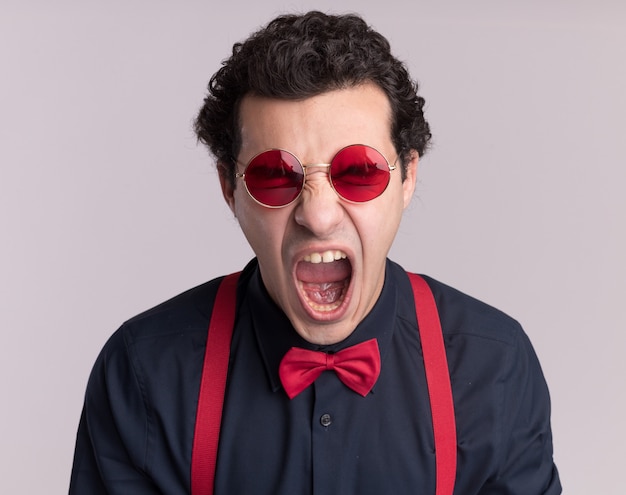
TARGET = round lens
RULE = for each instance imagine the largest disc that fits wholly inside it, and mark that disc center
(359, 173)
(274, 178)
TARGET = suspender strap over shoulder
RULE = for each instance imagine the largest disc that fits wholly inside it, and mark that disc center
(215, 371)
(439, 388)
(213, 387)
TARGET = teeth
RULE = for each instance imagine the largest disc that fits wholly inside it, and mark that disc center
(325, 256)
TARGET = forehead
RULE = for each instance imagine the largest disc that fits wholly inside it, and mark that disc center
(317, 127)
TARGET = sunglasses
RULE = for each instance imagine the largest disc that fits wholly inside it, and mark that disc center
(358, 173)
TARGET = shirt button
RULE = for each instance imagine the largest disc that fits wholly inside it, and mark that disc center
(326, 420)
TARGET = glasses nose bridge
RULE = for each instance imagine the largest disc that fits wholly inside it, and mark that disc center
(305, 170)
(315, 165)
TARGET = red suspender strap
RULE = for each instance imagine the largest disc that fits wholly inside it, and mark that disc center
(439, 388)
(212, 388)
(215, 371)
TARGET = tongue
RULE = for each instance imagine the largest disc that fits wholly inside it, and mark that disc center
(320, 273)
(324, 283)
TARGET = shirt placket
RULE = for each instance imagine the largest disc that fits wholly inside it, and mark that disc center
(328, 432)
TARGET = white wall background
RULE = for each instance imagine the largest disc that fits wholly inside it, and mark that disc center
(107, 206)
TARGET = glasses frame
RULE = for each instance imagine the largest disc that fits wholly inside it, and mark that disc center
(242, 175)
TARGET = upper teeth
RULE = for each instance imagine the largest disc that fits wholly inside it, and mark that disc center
(325, 257)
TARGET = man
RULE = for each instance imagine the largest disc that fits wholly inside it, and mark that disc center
(317, 130)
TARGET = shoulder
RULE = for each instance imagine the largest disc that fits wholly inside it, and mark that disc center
(179, 321)
(164, 343)
(181, 313)
(460, 314)
(158, 331)
(481, 341)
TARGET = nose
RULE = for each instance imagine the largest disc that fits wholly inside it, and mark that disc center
(319, 208)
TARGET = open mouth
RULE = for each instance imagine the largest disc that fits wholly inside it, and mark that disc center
(324, 278)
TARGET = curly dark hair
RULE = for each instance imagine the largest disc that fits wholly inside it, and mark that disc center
(299, 56)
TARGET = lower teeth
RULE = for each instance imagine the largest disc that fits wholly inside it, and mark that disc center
(324, 307)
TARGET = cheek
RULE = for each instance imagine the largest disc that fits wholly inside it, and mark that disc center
(379, 224)
(375, 228)
(263, 228)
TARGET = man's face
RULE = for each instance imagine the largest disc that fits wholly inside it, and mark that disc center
(324, 301)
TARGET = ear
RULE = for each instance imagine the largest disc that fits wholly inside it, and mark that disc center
(408, 186)
(226, 182)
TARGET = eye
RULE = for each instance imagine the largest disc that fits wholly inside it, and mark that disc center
(272, 176)
(274, 169)
(360, 174)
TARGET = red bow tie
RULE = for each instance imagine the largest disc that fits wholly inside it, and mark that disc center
(357, 367)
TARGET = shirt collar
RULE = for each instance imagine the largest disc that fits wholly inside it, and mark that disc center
(275, 335)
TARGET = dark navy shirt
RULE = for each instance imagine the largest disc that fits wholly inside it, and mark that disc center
(137, 427)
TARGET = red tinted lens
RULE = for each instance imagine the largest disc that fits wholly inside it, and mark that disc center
(359, 173)
(274, 178)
